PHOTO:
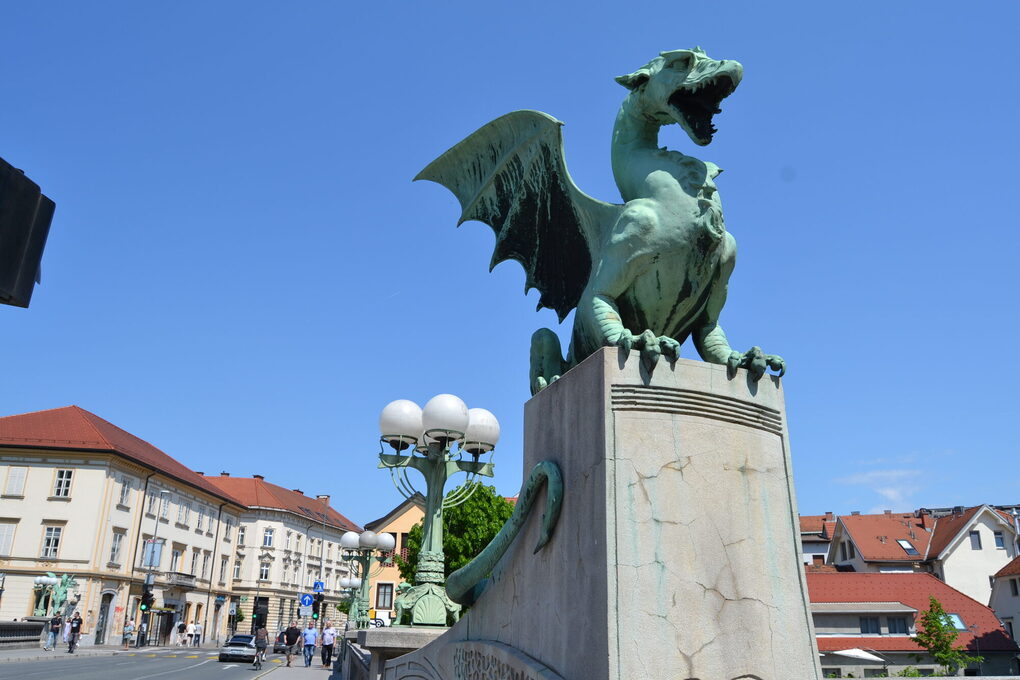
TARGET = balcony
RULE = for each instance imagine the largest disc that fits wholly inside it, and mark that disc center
(176, 578)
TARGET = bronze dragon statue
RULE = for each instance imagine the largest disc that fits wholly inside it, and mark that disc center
(646, 274)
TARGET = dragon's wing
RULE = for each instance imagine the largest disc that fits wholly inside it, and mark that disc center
(511, 175)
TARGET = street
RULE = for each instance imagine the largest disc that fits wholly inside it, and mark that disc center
(137, 665)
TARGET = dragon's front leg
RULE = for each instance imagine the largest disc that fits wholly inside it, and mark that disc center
(612, 333)
(712, 345)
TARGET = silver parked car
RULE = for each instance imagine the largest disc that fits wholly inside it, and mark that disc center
(239, 648)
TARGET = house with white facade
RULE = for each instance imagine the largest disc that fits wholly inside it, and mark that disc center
(964, 548)
(82, 497)
(1005, 600)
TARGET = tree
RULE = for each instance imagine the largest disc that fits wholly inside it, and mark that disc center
(937, 633)
(467, 529)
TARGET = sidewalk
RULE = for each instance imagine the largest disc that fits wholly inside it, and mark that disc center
(40, 654)
(298, 670)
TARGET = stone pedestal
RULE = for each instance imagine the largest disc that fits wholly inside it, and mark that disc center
(677, 553)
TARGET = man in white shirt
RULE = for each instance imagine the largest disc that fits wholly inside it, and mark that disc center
(328, 638)
(191, 633)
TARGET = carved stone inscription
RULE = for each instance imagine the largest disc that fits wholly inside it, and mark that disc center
(484, 660)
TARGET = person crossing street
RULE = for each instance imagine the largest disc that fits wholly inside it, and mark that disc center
(311, 636)
(328, 638)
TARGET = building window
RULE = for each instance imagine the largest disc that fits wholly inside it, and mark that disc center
(183, 512)
(51, 541)
(907, 547)
(975, 540)
(118, 537)
(125, 489)
(200, 522)
(842, 552)
(290, 538)
(267, 538)
(870, 625)
(1009, 628)
(898, 625)
(264, 571)
(223, 569)
(876, 673)
(240, 535)
(1014, 588)
(7, 539)
(205, 565)
(164, 506)
(152, 504)
(62, 484)
(175, 559)
(956, 621)
(1000, 542)
(832, 673)
(153, 555)
(850, 549)
(229, 524)
(237, 568)
(384, 596)
(15, 484)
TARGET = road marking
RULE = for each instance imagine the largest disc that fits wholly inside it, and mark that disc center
(192, 656)
(150, 655)
(175, 670)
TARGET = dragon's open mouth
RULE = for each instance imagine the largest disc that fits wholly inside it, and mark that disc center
(698, 102)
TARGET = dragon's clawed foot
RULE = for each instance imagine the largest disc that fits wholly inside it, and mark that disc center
(756, 361)
(652, 346)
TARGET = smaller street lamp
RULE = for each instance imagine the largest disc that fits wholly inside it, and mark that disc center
(44, 584)
(358, 550)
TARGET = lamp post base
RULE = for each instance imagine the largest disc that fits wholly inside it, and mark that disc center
(428, 604)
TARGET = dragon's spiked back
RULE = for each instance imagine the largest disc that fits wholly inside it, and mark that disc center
(685, 87)
(510, 174)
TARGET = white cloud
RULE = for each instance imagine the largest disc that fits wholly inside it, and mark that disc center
(897, 487)
(879, 477)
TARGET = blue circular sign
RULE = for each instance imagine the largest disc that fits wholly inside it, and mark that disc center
(306, 600)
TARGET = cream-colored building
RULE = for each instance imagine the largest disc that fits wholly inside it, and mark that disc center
(384, 581)
(285, 542)
(1005, 598)
(83, 497)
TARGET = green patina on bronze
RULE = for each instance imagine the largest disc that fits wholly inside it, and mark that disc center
(643, 275)
(467, 583)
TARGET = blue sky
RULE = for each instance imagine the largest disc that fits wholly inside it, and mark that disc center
(241, 272)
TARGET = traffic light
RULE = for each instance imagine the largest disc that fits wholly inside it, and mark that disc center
(317, 604)
(261, 615)
(147, 598)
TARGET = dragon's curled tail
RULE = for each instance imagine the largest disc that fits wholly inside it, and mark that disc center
(465, 585)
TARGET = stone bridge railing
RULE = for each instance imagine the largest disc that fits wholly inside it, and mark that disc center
(21, 634)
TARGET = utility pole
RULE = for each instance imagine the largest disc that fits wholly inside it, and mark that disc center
(150, 578)
(322, 561)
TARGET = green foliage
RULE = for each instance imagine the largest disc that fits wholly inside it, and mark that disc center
(467, 529)
(937, 634)
(909, 672)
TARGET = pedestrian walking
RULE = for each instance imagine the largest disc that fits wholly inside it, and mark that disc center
(198, 633)
(261, 642)
(311, 636)
(290, 639)
(143, 629)
(74, 633)
(328, 638)
(129, 630)
(56, 623)
(190, 632)
(182, 630)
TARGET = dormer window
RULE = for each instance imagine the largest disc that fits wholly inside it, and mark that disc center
(907, 547)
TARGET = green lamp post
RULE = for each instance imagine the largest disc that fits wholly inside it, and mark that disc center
(441, 440)
(359, 551)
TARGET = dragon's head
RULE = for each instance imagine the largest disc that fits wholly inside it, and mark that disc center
(685, 87)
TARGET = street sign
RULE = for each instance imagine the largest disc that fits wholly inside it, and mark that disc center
(304, 612)
(318, 587)
(306, 601)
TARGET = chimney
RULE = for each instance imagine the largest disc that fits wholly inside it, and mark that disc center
(958, 510)
(855, 513)
(224, 474)
(257, 477)
(888, 512)
(829, 517)
(324, 498)
(298, 491)
(817, 560)
(200, 474)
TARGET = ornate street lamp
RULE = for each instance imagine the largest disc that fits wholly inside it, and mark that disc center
(44, 588)
(359, 550)
(444, 438)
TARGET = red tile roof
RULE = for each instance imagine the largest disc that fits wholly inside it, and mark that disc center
(73, 428)
(818, 524)
(912, 590)
(875, 536)
(1011, 569)
(947, 527)
(257, 492)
